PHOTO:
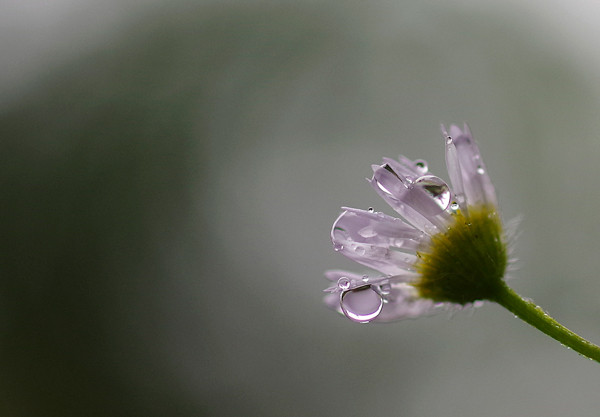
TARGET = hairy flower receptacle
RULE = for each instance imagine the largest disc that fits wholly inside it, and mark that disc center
(467, 262)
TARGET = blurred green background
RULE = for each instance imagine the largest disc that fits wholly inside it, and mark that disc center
(171, 170)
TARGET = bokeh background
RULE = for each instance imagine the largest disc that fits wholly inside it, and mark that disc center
(171, 171)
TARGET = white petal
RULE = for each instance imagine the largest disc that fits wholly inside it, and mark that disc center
(399, 299)
(370, 239)
(412, 197)
(453, 167)
(333, 302)
(418, 166)
(403, 302)
(380, 229)
(406, 168)
(467, 170)
(335, 274)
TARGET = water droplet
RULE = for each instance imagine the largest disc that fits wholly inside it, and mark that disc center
(361, 304)
(454, 206)
(421, 166)
(343, 283)
(385, 289)
(365, 278)
(370, 210)
(360, 250)
(367, 232)
(430, 229)
(480, 170)
(436, 188)
(382, 188)
(448, 140)
(388, 168)
(338, 246)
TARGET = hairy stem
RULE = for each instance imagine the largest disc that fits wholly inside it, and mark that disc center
(535, 316)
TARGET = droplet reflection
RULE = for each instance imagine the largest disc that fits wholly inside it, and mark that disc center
(361, 304)
(436, 188)
(421, 166)
(343, 283)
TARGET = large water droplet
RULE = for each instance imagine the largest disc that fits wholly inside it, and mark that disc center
(436, 188)
(361, 304)
(338, 246)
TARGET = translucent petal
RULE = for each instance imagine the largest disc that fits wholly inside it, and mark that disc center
(335, 274)
(356, 280)
(453, 167)
(418, 166)
(403, 302)
(417, 199)
(405, 168)
(377, 228)
(399, 301)
(467, 170)
(332, 301)
(370, 239)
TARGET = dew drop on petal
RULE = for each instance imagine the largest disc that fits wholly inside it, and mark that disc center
(430, 229)
(367, 232)
(421, 166)
(361, 304)
(338, 247)
(365, 278)
(370, 210)
(385, 289)
(437, 189)
(360, 250)
(343, 283)
(382, 188)
(480, 170)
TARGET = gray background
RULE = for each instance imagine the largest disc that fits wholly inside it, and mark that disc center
(171, 170)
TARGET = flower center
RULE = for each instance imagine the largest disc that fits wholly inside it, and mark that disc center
(467, 262)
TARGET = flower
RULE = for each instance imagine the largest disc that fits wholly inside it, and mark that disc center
(448, 250)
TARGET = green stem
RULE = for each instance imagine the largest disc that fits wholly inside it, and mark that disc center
(534, 315)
